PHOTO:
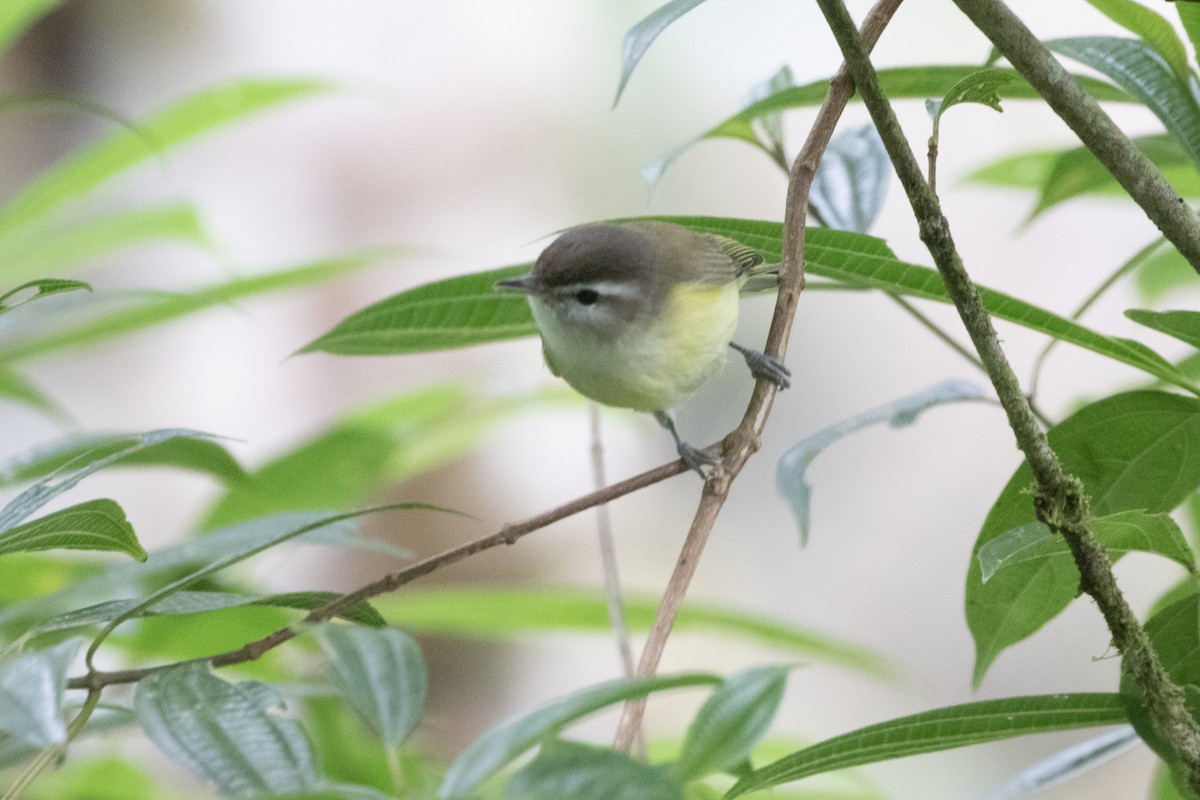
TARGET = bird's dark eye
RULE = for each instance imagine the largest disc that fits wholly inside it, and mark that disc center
(587, 297)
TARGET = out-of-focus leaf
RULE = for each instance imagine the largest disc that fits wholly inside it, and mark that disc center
(1140, 70)
(1163, 272)
(772, 124)
(1133, 451)
(579, 772)
(176, 124)
(1163, 787)
(639, 38)
(229, 733)
(16, 16)
(108, 777)
(937, 730)
(31, 698)
(98, 525)
(1066, 764)
(159, 308)
(851, 183)
(40, 287)
(1183, 325)
(507, 740)
(381, 673)
(503, 612)
(1151, 27)
(731, 721)
(15, 387)
(983, 86)
(1189, 15)
(793, 464)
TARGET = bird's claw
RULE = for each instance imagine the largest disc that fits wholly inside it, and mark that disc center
(764, 366)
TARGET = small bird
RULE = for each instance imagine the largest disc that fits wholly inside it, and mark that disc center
(639, 314)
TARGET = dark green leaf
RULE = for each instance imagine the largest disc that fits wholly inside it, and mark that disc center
(1183, 325)
(983, 86)
(937, 730)
(1140, 70)
(38, 288)
(1151, 27)
(98, 525)
(731, 721)
(178, 123)
(503, 742)
(851, 182)
(16, 16)
(639, 38)
(790, 472)
(229, 733)
(1133, 451)
(381, 674)
(496, 612)
(579, 772)
(31, 698)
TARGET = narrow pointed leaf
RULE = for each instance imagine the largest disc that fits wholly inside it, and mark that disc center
(642, 35)
(381, 674)
(38, 288)
(1183, 325)
(1189, 15)
(1162, 273)
(850, 185)
(937, 730)
(228, 733)
(731, 721)
(1133, 451)
(502, 743)
(16, 16)
(98, 525)
(579, 772)
(1149, 26)
(31, 697)
(15, 388)
(176, 124)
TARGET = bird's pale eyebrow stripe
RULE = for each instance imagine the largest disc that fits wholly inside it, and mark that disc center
(623, 291)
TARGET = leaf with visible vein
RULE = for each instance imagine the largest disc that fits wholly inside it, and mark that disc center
(1151, 27)
(95, 525)
(1183, 325)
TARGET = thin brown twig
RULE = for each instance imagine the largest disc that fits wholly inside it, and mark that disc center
(745, 440)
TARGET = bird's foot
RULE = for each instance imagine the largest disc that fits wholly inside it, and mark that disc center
(764, 366)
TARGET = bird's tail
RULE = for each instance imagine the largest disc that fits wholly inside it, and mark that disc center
(761, 278)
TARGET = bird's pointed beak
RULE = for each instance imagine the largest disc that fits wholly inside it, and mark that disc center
(525, 284)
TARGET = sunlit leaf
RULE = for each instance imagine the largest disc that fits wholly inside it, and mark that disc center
(31, 698)
(937, 730)
(579, 772)
(381, 673)
(983, 87)
(98, 525)
(731, 721)
(639, 38)
(851, 182)
(1149, 26)
(1183, 325)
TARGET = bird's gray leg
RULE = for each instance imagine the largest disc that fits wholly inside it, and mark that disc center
(764, 366)
(694, 457)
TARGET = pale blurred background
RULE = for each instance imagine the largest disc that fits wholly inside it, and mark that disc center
(468, 131)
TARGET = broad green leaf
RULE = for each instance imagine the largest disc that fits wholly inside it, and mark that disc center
(16, 388)
(1140, 70)
(1066, 764)
(45, 490)
(502, 612)
(983, 86)
(160, 308)
(38, 288)
(1189, 15)
(1151, 27)
(1162, 273)
(228, 733)
(1133, 451)
(366, 451)
(507, 740)
(1183, 325)
(381, 674)
(176, 124)
(53, 250)
(793, 465)
(185, 602)
(639, 38)
(731, 721)
(31, 698)
(577, 771)
(98, 525)
(851, 182)
(1175, 635)
(937, 730)
(200, 455)
(98, 777)
(455, 312)
(16, 16)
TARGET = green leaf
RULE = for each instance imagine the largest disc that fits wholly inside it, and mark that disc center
(381, 674)
(1120, 533)
(200, 455)
(579, 772)
(503, 742)
(176, 124)
(31, 698)
(1140, 70)
(159, 308)
(1175, 635)
(16, 17)
(937, 730)
(95, 525)
(1189, 15)
(982, 86)
(106, 777)
(38, 288)
(496, 612)
(1162, 273)
(1183, 325)
(1149, 26)
(50, 250)
(731, 721)
(793, 465)
(1133, 451)
(16, 388)
(851, 182)
(639, 38)
(229, 733)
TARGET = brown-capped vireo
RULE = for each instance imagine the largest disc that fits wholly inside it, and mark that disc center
(640, 314)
